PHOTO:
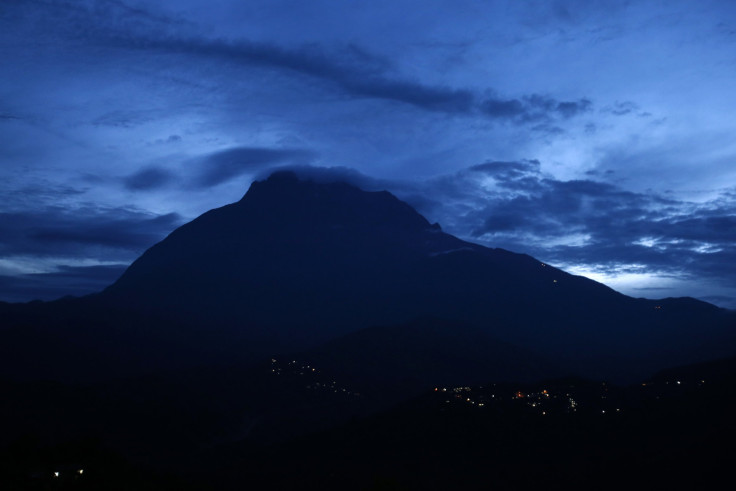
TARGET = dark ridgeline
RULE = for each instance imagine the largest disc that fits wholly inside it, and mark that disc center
(225, 349)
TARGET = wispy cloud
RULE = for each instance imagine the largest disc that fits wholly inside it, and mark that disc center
(225, 165)
(115, 233)
(351, 70)
(148, 179)
(364, 76)
(533, 108)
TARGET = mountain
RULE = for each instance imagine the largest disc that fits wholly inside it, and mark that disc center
(296, 263)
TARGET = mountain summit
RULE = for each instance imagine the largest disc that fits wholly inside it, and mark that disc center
(296, 263)
(282, 228)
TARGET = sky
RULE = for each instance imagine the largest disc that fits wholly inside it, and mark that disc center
(597, 136)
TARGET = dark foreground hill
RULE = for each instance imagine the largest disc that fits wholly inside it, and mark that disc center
(673, 431)
(410, 358)
(297, 263)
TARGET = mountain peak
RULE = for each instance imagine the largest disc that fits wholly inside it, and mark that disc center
(286, 220)
(286, 197)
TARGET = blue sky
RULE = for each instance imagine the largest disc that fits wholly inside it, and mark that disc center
(596, 136)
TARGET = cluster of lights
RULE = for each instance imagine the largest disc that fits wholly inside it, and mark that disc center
(540, 402)
(295, 367)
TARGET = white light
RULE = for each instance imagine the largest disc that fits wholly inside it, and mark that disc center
(56, 474)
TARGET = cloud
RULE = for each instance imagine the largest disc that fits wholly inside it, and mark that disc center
(225, 165)
(148, 179)
(533, 108)
(124, 119)
(349, 69)
(169, 139)
(367, 76)
(622, 108)
(60, 250)
(8, 117)
(331, 174)
(21, 194)
(498, 108)
(68, 280)
(115, 233)
(568, 109)
(508, 171)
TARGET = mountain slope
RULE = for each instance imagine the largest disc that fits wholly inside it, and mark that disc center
(296, 263)
(410, 358)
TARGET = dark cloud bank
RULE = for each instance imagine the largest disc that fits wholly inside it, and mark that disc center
(84, 232)
(108, 235)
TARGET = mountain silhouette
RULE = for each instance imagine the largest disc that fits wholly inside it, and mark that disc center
(297, 263)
